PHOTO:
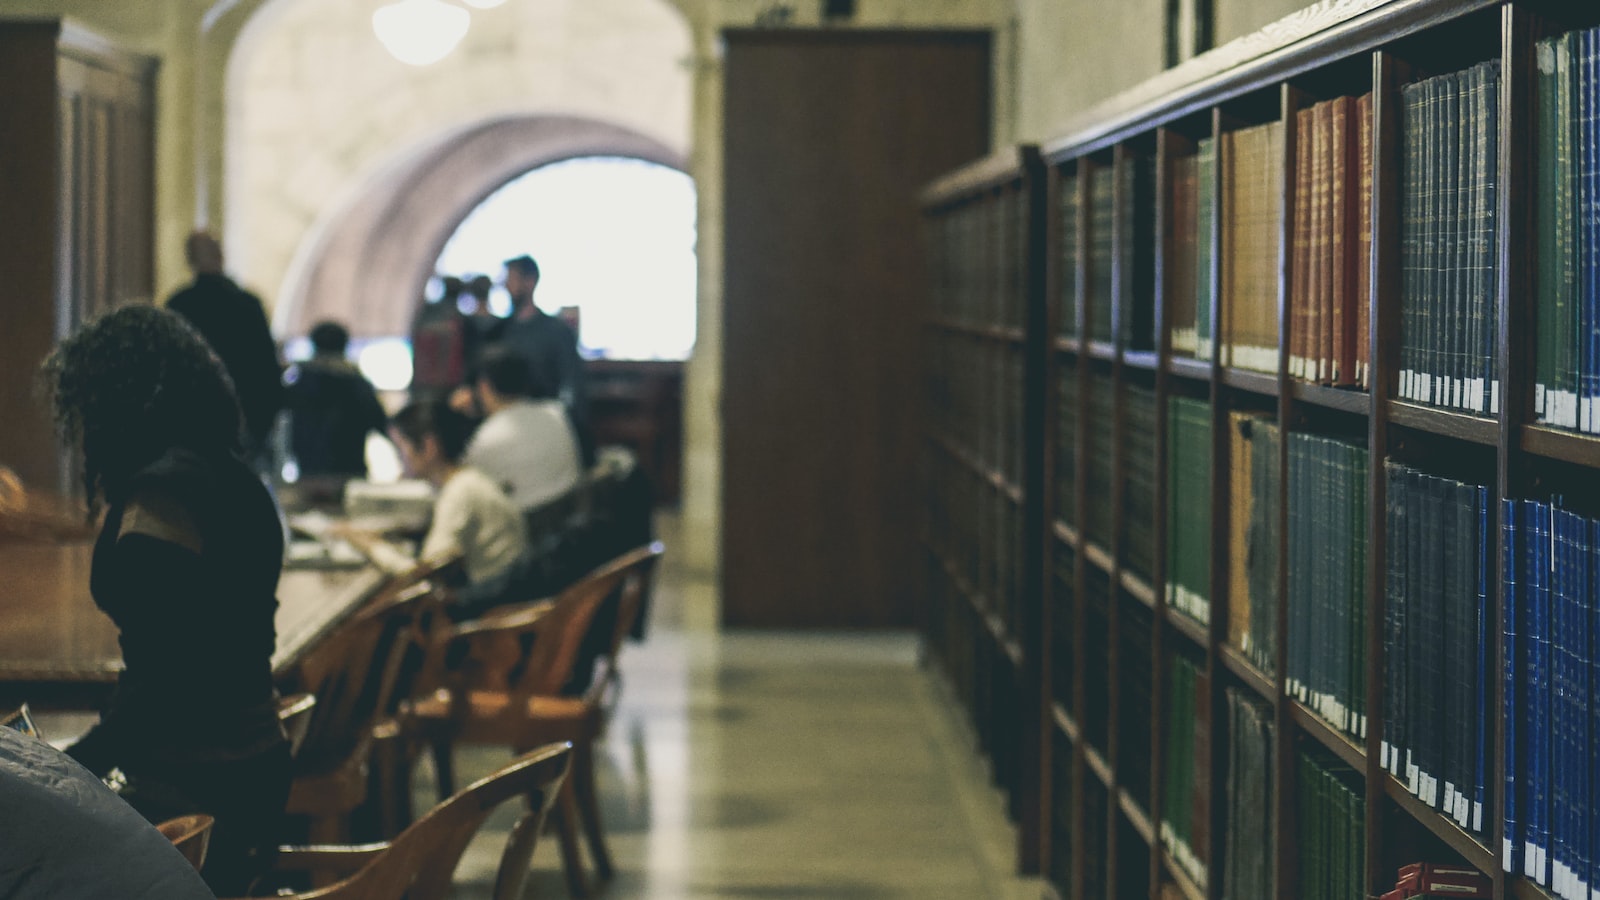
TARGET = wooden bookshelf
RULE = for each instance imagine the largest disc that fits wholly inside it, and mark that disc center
(1096, 388)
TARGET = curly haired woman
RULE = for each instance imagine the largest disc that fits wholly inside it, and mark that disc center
(186, 565)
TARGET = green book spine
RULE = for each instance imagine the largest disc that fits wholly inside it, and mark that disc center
(1205, 229)
(1565, 271)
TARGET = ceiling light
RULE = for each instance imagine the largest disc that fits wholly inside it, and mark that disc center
(420, 32)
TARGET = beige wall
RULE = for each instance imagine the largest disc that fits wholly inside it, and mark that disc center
(298, 150)
(319, 109)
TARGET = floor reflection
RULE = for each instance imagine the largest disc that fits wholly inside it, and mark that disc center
(767, 765)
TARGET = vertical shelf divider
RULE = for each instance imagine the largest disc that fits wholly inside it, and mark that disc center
(1080, 476)
(1216, 584)
(1283, 863)
(1516, 244)
(1388, 73)
(1038, 723)
(1169, 145)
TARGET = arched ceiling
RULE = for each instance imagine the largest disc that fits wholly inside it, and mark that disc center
(369, 264)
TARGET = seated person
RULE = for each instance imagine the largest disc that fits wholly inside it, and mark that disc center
(527, 444)
(332, 408)
(70, 836)
(472, 514)
(187, 566)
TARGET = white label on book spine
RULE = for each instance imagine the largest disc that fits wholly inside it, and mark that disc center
(1538, 399)
(1505, 855)
(1477, 815)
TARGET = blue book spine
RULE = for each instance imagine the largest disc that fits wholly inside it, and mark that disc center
(1558, 704)
(1538, 690)
(1592, 673)
(1511, 847)
(1584, 699)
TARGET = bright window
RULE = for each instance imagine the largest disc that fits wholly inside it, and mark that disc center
(613, 237)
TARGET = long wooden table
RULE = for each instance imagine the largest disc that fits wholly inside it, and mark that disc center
(57, 650)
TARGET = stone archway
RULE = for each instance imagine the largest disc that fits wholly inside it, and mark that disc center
(368, 263)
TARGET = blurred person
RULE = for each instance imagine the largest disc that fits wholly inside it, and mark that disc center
(526, 444)
(332, 409)
(65, 834)
(547, 345)
(234, 324)
(471, 514)
(186, 565)
(438, 343)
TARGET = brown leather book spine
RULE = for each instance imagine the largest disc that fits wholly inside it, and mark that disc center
(1326, 160)
(1364, 243)
(1300, 261)
(1338, 205)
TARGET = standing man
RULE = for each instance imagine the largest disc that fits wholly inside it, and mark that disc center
(550, 348)
(332, 408)
(234, 324)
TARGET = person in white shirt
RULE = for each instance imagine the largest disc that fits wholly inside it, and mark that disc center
(527, 443)
(472, 514)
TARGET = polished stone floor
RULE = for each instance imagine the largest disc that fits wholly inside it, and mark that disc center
(777, 765)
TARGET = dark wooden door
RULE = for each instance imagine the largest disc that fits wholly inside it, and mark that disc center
(829, 137)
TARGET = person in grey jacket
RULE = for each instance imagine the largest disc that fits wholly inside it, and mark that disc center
(65, 834)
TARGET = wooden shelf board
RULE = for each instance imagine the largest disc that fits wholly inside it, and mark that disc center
(1097, 764)
(1138, 588)
(1350, 401)
(995, 479)
(1001, 333)
(1458, 425)
(1004, 167)
(1141, 359)
(1064, 722)
(1188, 627)
(1254, 382)
(1246, 671)
(1180, 877)
(1097, 555)
(1065, 533)
(1103, 350)
(1327, 736)
(1519, 888)
(980, 606)
(1183, 366)
(1568, 446)
(1066, 344)
(1444, 828)
(1050, 892)
(1136, 816)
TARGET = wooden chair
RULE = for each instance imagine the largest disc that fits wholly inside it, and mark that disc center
(419, 863)
(508, 691)
(191, 835)
(353, 677)
(294, 712)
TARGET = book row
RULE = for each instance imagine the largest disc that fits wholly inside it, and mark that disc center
(1567, 211)
(1551, 678)
(1436, 641)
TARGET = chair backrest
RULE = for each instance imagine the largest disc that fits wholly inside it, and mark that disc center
(637, 568)
(353, 674)
(419, 863)
(191, 835)
(294, 712)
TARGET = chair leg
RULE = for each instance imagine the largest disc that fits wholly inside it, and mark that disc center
(444, 769)
(582, 781)
(566, 813)
(392, 763)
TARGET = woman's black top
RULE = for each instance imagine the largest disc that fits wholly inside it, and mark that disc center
(187, 566)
